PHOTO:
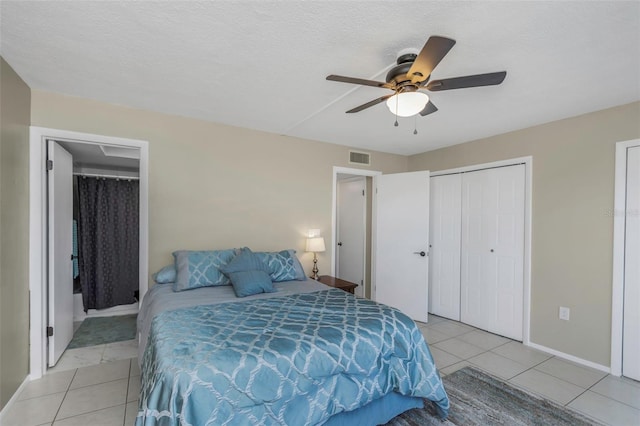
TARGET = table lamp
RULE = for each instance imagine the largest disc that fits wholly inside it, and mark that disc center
(315, 245)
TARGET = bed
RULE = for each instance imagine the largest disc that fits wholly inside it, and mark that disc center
(304, 354)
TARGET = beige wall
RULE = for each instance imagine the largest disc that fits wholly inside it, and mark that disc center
(15, 108)
(217, 186)
(572, 229)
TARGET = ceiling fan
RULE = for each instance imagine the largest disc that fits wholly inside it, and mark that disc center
(412, 74)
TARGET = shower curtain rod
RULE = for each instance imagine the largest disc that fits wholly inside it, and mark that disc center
(95, 175)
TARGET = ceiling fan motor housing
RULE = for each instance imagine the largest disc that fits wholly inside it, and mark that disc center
(398, 73)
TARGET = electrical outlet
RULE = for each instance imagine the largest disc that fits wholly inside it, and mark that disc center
(564, 313)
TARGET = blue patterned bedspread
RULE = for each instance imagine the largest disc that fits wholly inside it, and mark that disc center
(294, 360)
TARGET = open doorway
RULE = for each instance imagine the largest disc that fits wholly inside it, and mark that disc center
(105, 189)
(95, 267)
(93, 213)
(351, 227)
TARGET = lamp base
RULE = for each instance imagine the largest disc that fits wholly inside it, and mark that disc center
(315, 267)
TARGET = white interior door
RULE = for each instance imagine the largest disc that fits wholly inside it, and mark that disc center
(60, 292)
(631, 327)
(444, 247)
(492, 261)
(351, 218)
(402, 239)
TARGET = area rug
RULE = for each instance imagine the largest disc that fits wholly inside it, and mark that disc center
(100, 330)
(479, 399)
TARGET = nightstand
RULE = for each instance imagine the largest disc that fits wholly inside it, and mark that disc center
(347, 286)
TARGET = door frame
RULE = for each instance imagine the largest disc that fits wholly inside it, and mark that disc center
(334, 205)
(528, 188)
(617, 290)
(38, 229)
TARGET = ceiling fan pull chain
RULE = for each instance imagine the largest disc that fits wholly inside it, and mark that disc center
(415, 124)
(396, 123)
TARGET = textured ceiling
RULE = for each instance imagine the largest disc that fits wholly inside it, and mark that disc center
(262, 64)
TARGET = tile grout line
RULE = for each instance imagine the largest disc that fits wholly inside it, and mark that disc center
(550, 375)
(582, 393)
(463, 359)
(95, 384)
(92, 411)
(522, 372)
(126, 398)
(589, 388)
(608, 397)
(500, 355)
(66, 392)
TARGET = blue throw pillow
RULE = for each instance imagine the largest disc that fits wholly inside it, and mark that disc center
(248, 274)
(165, 275)
(196, 269)
(283, 265)
(246, 283)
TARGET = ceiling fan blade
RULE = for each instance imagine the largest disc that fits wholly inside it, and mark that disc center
(361, 81)
(428, 109)
(429, 57)
(370, 104)
(490, 79)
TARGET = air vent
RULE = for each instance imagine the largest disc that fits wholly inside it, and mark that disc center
(362, 158)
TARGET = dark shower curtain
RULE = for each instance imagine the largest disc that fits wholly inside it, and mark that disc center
(108, 237)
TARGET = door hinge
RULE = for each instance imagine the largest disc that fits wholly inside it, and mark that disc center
(49, 331)
(361, 282)
(363, 192)
(49, 164)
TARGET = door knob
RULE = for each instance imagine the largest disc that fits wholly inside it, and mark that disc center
(421, 253)
(340, 244)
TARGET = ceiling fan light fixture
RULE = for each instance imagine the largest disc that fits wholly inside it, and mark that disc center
(408, 103)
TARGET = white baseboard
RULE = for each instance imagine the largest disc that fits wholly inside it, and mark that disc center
(13, 399)
(571, 358)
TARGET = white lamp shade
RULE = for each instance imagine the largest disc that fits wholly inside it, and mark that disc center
(315, 245)
(408, 103)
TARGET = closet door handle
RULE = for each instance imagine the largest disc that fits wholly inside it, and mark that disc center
(421, 253)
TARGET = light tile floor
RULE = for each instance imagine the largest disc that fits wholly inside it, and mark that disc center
(102, 395)
(107, 394)
(608, 399)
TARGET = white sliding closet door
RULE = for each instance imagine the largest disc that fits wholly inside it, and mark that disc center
(492, 260)
(444, 246)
